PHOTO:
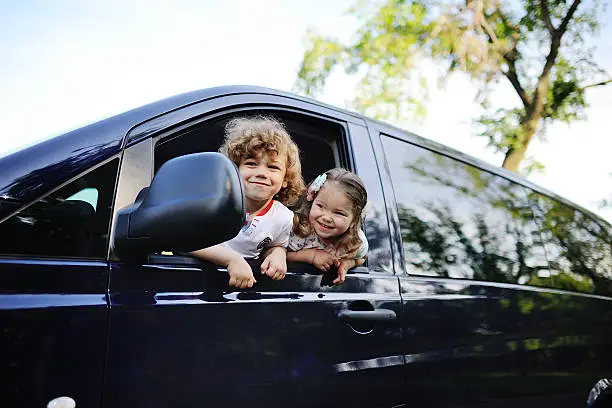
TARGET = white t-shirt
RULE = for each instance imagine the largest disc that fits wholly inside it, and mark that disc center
(271, 227)
(314, 241)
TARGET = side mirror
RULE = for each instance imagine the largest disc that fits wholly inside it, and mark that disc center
(194, 201)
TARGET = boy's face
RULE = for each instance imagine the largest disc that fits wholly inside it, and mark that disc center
(263, 176)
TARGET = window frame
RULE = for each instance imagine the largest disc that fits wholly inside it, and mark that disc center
(390, 190)
(341, 148)
(433, 147)
(137, 166)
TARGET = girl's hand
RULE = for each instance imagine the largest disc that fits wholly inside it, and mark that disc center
(275, 264)
(343, 267)
(241, 275)
(323, 260)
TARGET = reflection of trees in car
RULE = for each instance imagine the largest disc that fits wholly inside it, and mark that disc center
(375, 225)
(441, 248)
(579, 246)
(474, 225)
(480, 226)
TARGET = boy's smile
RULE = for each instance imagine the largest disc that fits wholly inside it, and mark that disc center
(263, 176)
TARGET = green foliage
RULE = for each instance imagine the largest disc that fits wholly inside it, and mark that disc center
(489, 40)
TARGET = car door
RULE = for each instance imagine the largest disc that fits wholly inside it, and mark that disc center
(473, 261)
(54, 274)
(180, 336)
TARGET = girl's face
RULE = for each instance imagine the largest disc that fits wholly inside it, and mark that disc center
(331, 213)
(263, 176)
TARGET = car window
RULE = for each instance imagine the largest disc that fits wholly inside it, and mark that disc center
(89, 195)
(70, 222)
(319, 141)
(578, 246)
(458, 221)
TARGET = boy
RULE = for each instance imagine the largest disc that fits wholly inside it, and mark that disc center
(269, 165)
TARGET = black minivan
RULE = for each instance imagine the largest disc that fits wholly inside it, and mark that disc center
(480, 288)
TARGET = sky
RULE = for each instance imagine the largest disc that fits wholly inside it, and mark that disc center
(70, 62)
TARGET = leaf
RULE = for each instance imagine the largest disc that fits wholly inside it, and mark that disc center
(488, 40)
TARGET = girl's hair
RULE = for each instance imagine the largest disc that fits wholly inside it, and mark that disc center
(246, 137)
(353, 187)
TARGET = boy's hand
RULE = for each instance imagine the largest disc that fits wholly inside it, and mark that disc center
(323, 260)
(275, 264)
(241, 275)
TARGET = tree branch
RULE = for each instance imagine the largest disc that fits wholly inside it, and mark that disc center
(489, 30)
(552, 54)
(568, 17)
(546, 17)
(514, 80)
(597, 84)
(510, 57)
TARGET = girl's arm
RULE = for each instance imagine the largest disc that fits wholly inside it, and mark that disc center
(323, 260)
(303, 255)
(344, 266)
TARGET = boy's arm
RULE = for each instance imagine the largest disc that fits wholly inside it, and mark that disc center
(217, 254)
(275, 262)
(240, 272)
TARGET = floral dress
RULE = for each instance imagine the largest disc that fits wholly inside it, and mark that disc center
(314, 241)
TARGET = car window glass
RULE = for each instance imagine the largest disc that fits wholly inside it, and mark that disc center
(578, 246)
(70, 222)
(458, 221)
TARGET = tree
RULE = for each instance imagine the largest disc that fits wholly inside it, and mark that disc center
(539, 47)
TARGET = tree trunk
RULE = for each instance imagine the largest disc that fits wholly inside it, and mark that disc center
(515, 155)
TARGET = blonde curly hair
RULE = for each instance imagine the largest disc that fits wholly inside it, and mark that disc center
(352, 185)
(247, 136)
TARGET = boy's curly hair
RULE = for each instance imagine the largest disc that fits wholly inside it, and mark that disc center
(246, 136)
(352, 185)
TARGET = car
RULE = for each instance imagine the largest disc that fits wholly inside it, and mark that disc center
(480, 288)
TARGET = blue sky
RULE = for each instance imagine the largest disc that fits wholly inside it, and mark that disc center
(66, 63)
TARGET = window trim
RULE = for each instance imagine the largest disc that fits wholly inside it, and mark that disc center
(137, 166)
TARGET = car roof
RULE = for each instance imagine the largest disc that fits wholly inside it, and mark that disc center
(104, 138)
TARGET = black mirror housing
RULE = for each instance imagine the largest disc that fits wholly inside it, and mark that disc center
(194, 201)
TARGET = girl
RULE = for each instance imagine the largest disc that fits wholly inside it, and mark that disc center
(327, 225)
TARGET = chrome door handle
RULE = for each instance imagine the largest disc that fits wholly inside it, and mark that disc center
(373, 316)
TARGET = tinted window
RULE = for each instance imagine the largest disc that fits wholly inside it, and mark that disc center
(460, 222)
(72, 221)
(579, 247)
(318, 140)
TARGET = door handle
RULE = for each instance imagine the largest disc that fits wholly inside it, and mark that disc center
(372, 316)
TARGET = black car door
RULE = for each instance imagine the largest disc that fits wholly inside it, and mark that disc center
(180, 336)
(471, 253)
(53, 306)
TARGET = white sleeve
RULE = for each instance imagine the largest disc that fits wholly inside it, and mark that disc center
(283, 230)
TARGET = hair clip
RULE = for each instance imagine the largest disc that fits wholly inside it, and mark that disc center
(315, 186)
